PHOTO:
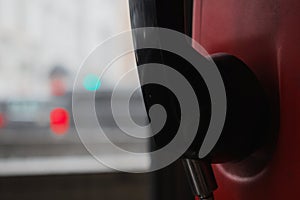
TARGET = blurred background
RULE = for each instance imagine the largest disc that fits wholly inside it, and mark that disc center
(42, 46)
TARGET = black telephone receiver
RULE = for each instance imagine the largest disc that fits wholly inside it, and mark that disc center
(247, 117)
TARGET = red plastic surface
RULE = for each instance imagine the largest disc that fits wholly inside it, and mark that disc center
(265, 34)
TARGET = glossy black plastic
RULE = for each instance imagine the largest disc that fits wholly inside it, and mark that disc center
(247, 119)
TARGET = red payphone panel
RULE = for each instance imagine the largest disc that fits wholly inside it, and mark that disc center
(266, 36)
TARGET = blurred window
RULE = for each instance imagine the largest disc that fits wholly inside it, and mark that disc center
(42, 45)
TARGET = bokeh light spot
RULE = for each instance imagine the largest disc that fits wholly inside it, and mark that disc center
(2, 120)
(91, 82)
(59, 121)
